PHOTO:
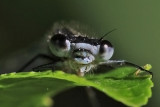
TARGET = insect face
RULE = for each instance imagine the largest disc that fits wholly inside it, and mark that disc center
(74, 52)
(82, 50)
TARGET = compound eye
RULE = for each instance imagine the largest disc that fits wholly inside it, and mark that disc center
(59, 40)
(106, 50)
(59, 44)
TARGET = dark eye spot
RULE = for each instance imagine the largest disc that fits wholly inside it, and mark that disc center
(103, 45)
(59, 40)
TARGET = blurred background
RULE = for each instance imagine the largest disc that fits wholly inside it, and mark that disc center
(23, 22)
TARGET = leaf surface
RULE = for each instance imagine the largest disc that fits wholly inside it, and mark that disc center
(34, 89)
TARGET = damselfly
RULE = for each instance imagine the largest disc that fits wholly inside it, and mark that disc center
(76, 52)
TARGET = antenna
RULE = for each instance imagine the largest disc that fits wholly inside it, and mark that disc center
(107, 34)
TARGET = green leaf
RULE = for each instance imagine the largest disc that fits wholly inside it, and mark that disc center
(34, 89)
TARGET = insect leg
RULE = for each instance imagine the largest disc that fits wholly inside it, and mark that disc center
(117, 63)
(33, 59)
(49, 66)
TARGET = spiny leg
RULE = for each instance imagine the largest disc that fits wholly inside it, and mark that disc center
(49, 66)
(117, 63)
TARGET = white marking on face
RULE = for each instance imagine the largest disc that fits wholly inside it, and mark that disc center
(85, 60)
(67, 45)
(87, 55)
(93, 49)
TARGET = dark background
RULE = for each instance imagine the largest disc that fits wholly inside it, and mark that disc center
(137, 39)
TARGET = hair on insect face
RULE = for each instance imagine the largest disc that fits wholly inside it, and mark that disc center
(66, 42)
